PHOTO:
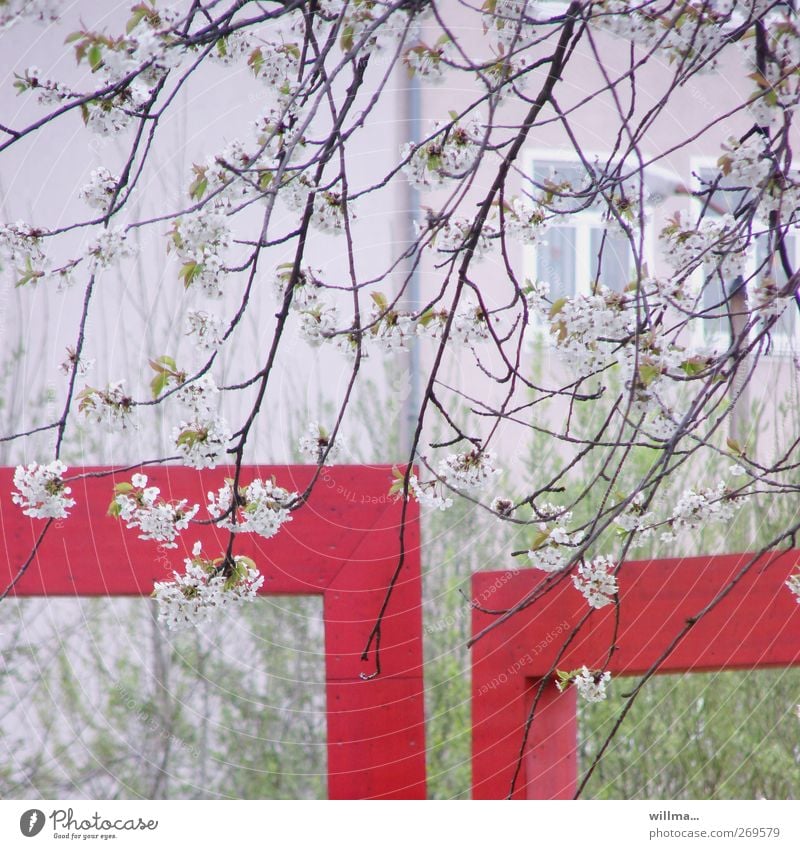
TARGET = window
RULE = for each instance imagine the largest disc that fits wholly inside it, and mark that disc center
(727, 199)
(583, 248)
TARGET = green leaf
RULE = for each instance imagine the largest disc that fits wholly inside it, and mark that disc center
(138, 13)
(188, 437)
(694, 366)
(159, 383)
(114, 509)
(558, 305)
(199, 186)
(346, 40)
(256, 61)
(539, 540)
(167, 361)
(95, 56)
(380, 300)
(648, 373)
(123, 487)
(734, 446)
(189, 271)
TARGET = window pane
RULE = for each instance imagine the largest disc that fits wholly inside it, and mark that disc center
(545, 171)
(726, 198)
(787, 324)
(715, 312)
(555, 262)
(615, 260)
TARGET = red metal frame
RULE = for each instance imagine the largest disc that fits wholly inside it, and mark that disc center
(343, 545)
(757, 625)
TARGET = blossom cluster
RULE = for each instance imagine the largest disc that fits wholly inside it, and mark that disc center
(205, 329)
(41, 491)
(110, 407)
(205, 589)
(470, 471)
(696, 507)
(261, 507)
(448, 155)
(107, 248)
(793, 582)
(590, 684)
(429, 494)
(596, 582)
(202, 437)
(140, 506)
(99, 191)
(589, 330)
(548, 550)
(317, 441)
(199, 239)
(689, 31)
(511, 22)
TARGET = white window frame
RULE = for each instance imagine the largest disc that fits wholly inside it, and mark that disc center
(782, 344)
(582, 222)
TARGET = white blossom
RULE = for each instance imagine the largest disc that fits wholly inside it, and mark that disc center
(205, 329)
(511, 21)
(747, 163)
(21, 245)
(636, 520)
(696, 507)
(713, 243)
(469, 470)
(549, 549)
(428, 494)
(73, 362)
(99, 191)
(203, 440)
(14, 11)
(449, 155)
(525, 221)
(110, 407)
(277, 66)
(391, 330)
(794, 585)
(199, 397)
(591, 686)
(140, 506)
(41, 491)
(199, 239)
(105, 118)
(261, 507)
(596, 582)
(329, 210)
(232, 48)
(107, 248)
(588, 330)
(317, 441)
(318, 322)
(205, 589)
(426, 62)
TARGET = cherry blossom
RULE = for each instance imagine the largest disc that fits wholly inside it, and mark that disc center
(41, 491)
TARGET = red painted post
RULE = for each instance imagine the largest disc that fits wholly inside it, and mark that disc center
(343, 544)
(757, 625)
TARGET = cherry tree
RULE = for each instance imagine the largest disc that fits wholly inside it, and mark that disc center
(658, 328)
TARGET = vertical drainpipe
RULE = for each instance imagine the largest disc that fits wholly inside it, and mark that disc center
(408, 382)
(739, 424)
